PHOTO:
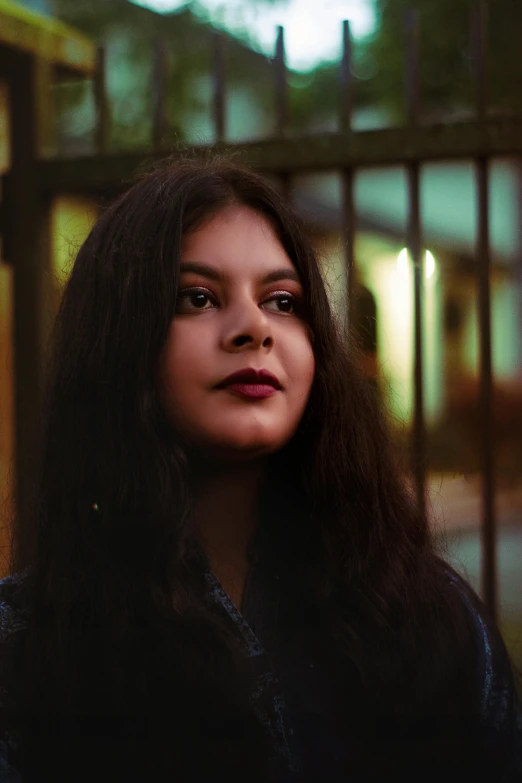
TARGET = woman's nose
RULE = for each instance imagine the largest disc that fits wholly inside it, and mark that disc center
(247, 339)
(249, 326)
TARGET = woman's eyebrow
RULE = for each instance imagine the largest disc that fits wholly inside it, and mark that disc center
(216, 274)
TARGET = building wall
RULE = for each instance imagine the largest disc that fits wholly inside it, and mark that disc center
(385, 270)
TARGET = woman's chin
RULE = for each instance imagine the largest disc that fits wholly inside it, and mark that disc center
(238, 449)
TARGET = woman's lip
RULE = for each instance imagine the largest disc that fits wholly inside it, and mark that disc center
(251, 376)
(254, 390)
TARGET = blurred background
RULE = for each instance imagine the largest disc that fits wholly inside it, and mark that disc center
(350, 126)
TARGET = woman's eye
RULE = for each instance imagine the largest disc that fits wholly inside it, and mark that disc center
(200, 299)
(286, 302)
(196, 298)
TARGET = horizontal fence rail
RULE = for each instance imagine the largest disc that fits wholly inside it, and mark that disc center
(496, 137)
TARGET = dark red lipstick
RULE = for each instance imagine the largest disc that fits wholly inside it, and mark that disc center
(251, 376)
(256, 384)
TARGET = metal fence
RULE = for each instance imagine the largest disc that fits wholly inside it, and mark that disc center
(345, 152)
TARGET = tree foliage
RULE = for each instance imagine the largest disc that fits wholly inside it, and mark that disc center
(129, 31)
(446, 71)
(447, 64)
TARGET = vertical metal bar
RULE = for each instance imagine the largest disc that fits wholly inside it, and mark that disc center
(419, 427)
(415, 248)
(101, 102)
(29, 84)
(489, 564)
(347, 175)
(281, 86)
(346, 79)
(159, 73)
(219, 87)
(281, 101)
(489, 543)
(348, 237)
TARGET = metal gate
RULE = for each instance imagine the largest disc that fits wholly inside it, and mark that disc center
(345, 152)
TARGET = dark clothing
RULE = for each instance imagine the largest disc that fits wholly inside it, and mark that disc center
(310, 673)
(296, 682)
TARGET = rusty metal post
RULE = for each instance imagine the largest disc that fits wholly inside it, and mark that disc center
(281, 86)
(219, 87)
(281, 101)
(489, 542)
(159, 78)
(346, 79)
(415, 248)
(26, 245)
(102, 129)
(347, 175)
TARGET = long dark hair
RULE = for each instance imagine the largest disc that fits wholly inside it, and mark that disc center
(119, 623)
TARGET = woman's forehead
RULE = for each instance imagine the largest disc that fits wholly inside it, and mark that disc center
(235, 240)
(233, 224)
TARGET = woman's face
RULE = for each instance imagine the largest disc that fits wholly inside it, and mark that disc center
(230, 317)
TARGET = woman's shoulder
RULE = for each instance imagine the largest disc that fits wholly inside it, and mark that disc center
(500, 705)
(14, 613)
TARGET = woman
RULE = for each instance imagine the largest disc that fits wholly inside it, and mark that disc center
(224, 572)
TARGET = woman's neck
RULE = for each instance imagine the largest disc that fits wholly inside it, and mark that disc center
(226, 511)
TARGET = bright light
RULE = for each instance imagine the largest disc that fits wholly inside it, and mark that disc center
(310, 36)
(429, 269)
(404, 260)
